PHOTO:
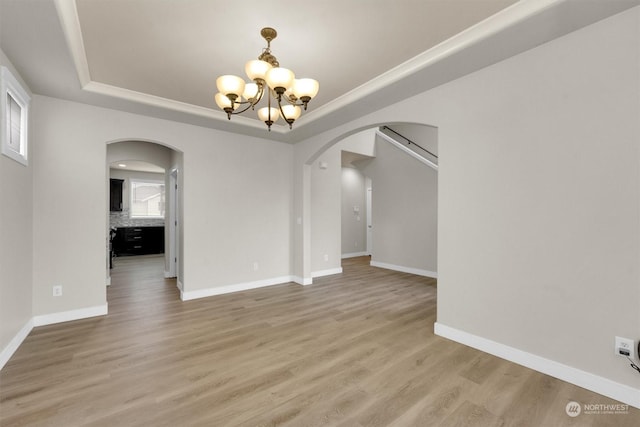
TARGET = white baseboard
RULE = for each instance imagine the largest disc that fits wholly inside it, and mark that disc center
(179, 285)
(219, 290)
(169, 275)
(302, 281)
(354, 255)
(328, 272)
(66, 316)
(411, 270)
(595, 383)
(13, 345)
(48, 319)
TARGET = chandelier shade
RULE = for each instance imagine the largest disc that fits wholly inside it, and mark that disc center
(223, 101)
(305, 88)
(291, 112)
(257, 69)
(251, 92)
(268, 114)
(284, 94)
(280, 79)
(231, 86)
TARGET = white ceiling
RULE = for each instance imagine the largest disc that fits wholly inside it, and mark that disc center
(161, 58)
(136, 165)
(176, 49)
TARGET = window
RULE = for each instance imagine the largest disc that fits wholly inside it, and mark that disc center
(147, 199)
(15, 108)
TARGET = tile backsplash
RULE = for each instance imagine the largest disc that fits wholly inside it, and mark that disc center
(122, 219)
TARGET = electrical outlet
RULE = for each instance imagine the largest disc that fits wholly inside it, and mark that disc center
(255, 266)
(57, 291)
(326, 257)
(625, 347)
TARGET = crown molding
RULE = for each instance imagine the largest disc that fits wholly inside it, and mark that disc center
(515, 14)
(70, 22)
(494, 24)
(169, 104)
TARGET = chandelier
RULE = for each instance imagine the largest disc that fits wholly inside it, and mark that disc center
(280, 85)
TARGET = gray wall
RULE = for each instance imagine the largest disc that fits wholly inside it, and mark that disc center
(539, 200)
(325, 213)
(326, 203)
(539, 207)
(16, 242)
(226, 181)
(404, 210)
(425, 136)
(354, 224)
(404, 207)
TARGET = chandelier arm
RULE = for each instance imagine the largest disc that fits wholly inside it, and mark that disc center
(246, 108)
(251, 104)
(295, 101)
(283, 115)
(260, 93)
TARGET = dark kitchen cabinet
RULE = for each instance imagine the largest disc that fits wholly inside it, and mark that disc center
(115, 194)
(138, 241)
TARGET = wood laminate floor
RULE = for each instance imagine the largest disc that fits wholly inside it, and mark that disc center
(355, 349)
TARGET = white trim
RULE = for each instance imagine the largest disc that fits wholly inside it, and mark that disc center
(172, 256)
(416, 271)
(302, 281)
(11, 88)
(66, 316)
(48, 319)
(354, 255)
(328, 272)
(219, 290)
(502, 20)
(15, 342)
(514, 14)
(595, 383)
(409, 151)
(180, 287)
(170, 104)
(70, 23)
(168, 275)
(108, 281)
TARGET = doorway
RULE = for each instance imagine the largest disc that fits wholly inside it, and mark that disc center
(144, 225)
(401, 217)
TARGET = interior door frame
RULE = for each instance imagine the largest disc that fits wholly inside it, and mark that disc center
(369, 198)
(173, 223)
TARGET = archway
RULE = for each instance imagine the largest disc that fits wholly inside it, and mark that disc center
(159, 226)
(408, 238)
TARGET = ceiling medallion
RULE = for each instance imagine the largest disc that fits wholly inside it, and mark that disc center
(235, 96)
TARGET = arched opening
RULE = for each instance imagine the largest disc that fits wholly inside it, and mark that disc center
(373, 192)
(144, 200)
